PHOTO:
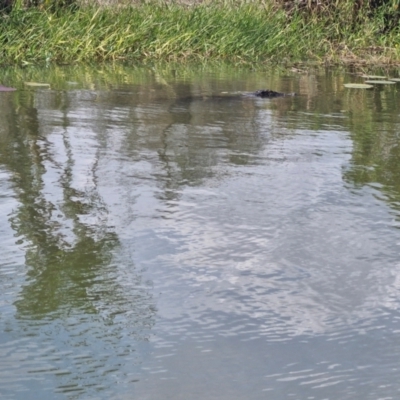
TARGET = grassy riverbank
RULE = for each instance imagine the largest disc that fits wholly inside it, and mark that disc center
(240, 32)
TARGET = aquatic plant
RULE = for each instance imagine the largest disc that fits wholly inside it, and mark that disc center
(238, 31)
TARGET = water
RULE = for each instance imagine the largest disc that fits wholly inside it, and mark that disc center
(159, 242)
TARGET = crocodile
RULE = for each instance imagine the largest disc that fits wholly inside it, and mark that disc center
(235, 96)
(270, 94)
(262, 93)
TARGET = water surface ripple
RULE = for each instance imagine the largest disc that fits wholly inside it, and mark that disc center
(164, 237)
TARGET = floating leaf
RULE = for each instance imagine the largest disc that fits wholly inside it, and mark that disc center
(373, 76)
(358, 86)
(37, 84)
(6, 89)
(381, 82)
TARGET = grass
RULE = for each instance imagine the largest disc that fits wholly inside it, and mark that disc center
(235, 31)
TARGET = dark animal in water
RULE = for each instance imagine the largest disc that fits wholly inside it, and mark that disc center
(236, 96)
(270, 94)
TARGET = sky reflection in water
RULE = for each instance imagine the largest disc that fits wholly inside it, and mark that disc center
(160, 242)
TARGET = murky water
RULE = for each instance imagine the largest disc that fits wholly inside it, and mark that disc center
(161, 242)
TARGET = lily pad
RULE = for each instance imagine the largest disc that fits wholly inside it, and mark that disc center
(6, 89)
(379, 82)
(373, 76)
(37, 84)
(358, 86)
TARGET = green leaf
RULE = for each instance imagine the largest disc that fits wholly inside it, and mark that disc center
(381, 82)
(373, 76)
(37, 84)
(357, 86)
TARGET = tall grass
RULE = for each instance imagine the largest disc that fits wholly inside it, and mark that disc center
(232, 30)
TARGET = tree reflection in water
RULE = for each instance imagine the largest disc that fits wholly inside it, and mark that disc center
(232, 197)
(88, 320)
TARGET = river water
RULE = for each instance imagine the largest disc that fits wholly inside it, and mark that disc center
(164, 237)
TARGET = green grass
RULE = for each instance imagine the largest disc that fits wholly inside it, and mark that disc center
(240, 32)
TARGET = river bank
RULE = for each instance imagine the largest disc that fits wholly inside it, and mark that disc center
(238, 32)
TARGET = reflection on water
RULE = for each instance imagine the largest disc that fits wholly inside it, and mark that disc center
(75, 315)
(162, 238)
